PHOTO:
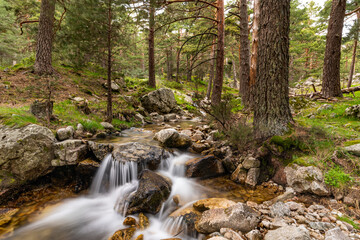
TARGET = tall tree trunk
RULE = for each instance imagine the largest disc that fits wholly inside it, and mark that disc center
(254, 50)
(352, 68)
(219, 78)
(244, 54)
(178, 58)
(188, 70)
(235, 75)
(152, 81)
(43, 61)
(212, 70)
(272, 114)
(331, 73)
(169, 64)
(109, 65)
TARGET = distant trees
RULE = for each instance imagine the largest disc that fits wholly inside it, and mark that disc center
(272, 114)
(43, 61)
(331, 73)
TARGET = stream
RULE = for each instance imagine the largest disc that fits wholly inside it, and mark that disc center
(98, 214)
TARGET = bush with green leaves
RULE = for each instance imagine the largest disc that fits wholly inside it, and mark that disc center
(337, 178)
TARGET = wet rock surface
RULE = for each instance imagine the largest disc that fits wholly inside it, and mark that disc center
(145, 155)
(173, 139)
(152, 191)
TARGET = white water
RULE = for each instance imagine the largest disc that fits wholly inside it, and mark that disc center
(96, 216)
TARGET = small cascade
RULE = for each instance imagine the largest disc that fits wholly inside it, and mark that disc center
(113, 174)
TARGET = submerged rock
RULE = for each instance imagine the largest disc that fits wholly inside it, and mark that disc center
(25, 154)
(146, 156)
(152, 191)
(172, 138)
(160, 101)
(239, 217)
(204, 167)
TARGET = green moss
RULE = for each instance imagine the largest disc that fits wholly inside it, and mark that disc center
(349, 221)
(337, 178)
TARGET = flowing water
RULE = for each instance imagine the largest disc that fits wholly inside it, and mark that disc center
(99, 214)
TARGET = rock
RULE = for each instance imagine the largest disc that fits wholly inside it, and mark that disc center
(239, 217)
(80, 128)
(25, 154)
(293, 206)
(353, 149)
(140, 118)
(199, 147)
(69, 152)
(129, 221)
(252, 177)
(65, 133)
(250, 162)
(218, 238)
(198, 136)
(280, 209)
(186, 132)
(254, 235)
(353, 111)
(239, 175)
(101, 135)
(204, 167)
(160, 101)
(100, 150)
(155, 117)
(325, 107)
(231, 234)
(152, 191)
(212, 203)
(143, 221)
(123, 234)
(288, 233)
(169, 117)
(108, 126)
(39, 108)
(114, 86)
(82, 105)
(302, 179)
(322, 226)
(335, 234)
(189, 216)
(172, 138)
(143, 154)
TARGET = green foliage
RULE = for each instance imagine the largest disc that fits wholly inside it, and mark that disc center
(349, 221)
(91, 126)
(337, 178)
(174, 85)
(16, 117)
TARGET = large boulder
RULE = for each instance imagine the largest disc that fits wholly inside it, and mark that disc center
(100, 150)
(152, 192)
(25, 154)
(146, 156)
(69, 152)
(160, 101)
(306, 179)
(204, 167)
(288, 233)
(239, 217)
(172, 138)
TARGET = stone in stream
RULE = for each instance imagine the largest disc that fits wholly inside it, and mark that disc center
(152, 192)
(212, 203)
(123, 234)
(239, 217)
(69, 152)
(288, 233)
(172, 138)
(204, 167)
(25, 154)
(100, 150)
(146, 156)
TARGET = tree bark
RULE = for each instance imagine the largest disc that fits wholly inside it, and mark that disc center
(219, 78)
(272, 114)
(43, 61)
(169, 64)
(152, 81)
(331, 73)
(244, 54)
(212, 70)
(235, 85)
(254, 51)
(109, 65)
(352, 68)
